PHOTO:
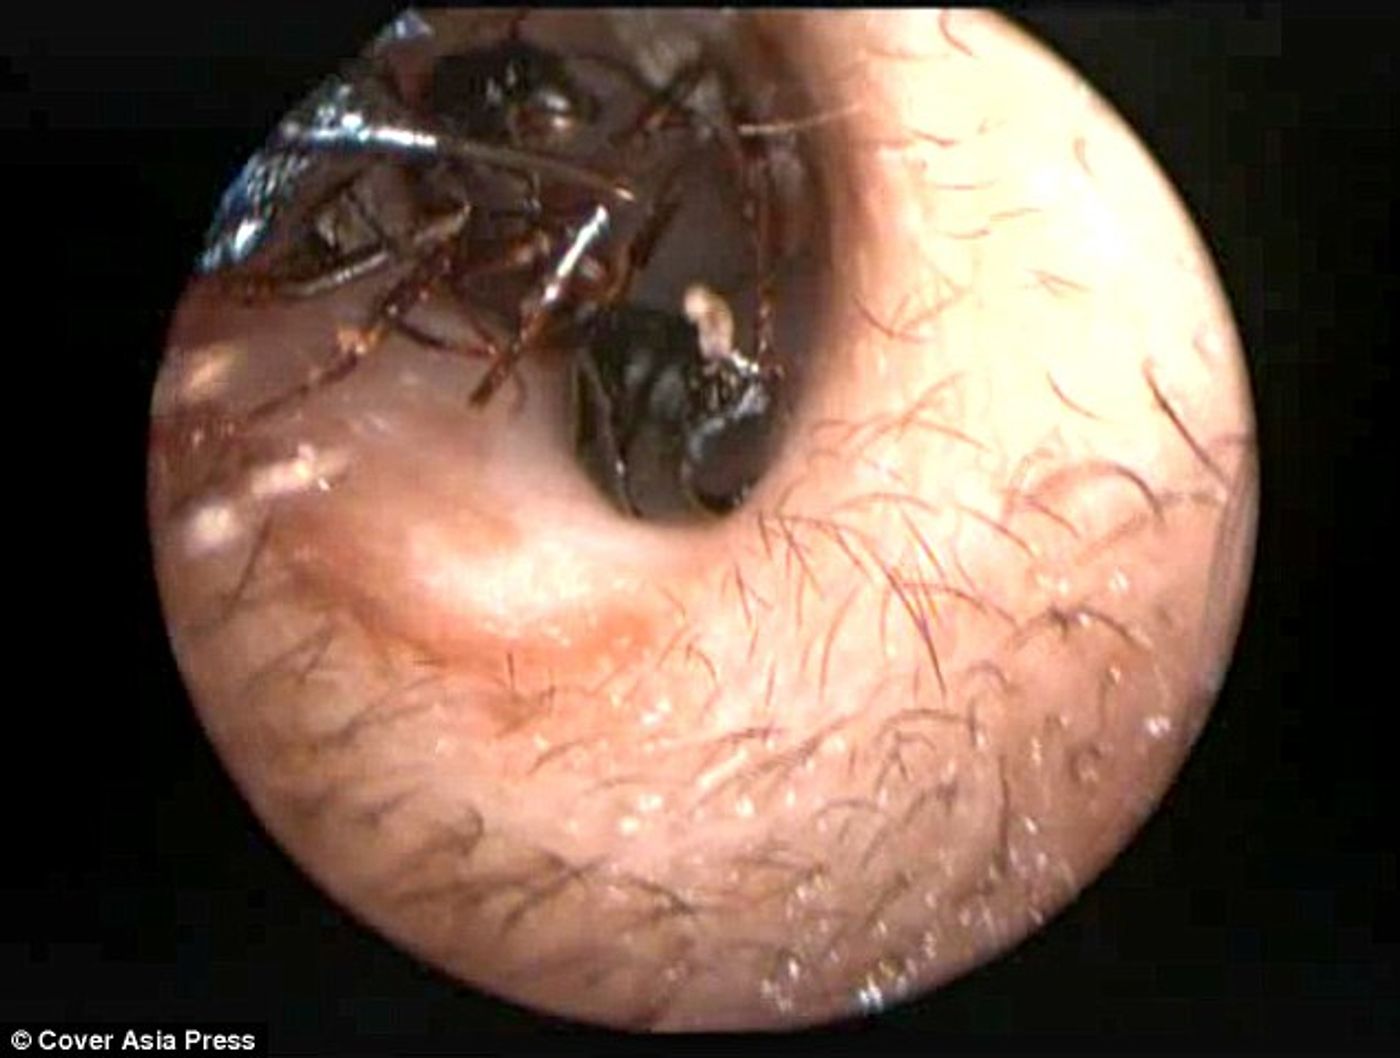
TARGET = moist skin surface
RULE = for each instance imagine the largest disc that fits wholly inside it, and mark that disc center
(807, 760)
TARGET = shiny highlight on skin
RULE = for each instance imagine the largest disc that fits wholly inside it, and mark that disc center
(811, 759)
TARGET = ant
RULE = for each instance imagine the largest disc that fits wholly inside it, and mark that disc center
(482, 153)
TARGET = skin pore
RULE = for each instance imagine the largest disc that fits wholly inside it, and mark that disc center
(809, 759)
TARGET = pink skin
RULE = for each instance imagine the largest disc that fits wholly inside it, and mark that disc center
(817, 757)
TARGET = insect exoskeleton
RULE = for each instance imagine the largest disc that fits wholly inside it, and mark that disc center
(602, 203)
(670, 418)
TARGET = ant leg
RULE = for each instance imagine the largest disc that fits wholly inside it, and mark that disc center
(261, 286)
(537, 318)
(643, 245)
(356, 345)
(413, 143)
(358, 264)
(512, 256)
(543, 306)
(488, 348)
(426, 338)
(484, 342)
(662, 107)
(349, 269)
(515, 256)
(566, 274)
(389, 250)
(755, 178)
(759, 193)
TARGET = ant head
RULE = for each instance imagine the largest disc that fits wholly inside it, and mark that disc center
(511, 90)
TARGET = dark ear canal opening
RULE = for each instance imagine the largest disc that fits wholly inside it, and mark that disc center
(572, 185)
(695, 409)
(674, 416)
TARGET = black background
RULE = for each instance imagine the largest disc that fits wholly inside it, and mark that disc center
(1255, 911)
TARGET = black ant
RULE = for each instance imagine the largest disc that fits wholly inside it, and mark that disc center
(483, 152)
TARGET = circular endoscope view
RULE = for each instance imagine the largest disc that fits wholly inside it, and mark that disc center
(702, 520)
